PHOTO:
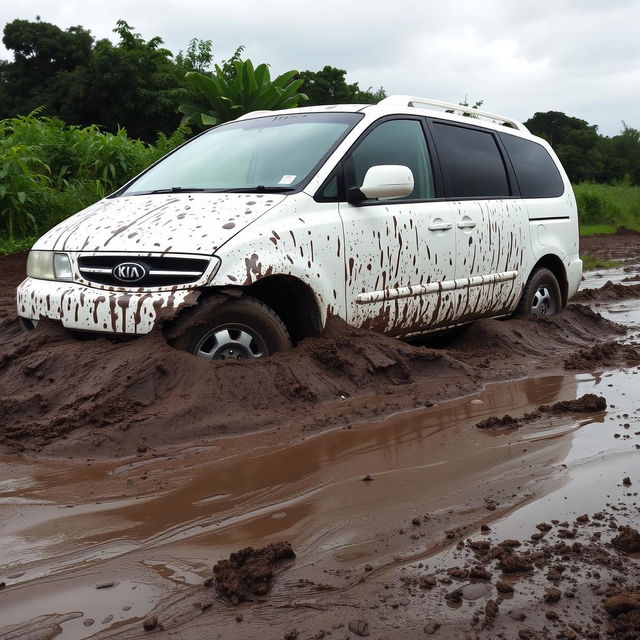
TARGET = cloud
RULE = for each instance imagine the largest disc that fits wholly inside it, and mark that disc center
(578, 56)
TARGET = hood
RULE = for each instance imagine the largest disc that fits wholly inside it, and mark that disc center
(162, 223)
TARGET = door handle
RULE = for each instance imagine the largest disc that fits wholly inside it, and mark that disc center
(467, 224)
(440, 226)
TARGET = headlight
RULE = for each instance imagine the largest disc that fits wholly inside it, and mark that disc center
(49, 265)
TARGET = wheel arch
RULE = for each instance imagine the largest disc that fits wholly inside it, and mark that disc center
(293, 300)
(555, 265)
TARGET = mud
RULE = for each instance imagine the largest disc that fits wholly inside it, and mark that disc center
(588, 403)
(606, 354)
(129, 470)
(628, 539)
(610, 292)
(249, 572)
(623, 245)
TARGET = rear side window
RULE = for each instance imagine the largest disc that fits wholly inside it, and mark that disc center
(471, 162)
(537, 174)
(397, 142)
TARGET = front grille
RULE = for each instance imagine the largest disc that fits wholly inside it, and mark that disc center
(158, 271)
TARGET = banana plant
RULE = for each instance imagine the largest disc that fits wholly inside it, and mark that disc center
(218, 98)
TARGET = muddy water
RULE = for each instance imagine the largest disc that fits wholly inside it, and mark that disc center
(69, 527)
(598, 278)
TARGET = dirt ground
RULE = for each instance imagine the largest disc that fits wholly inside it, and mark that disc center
(483, 486)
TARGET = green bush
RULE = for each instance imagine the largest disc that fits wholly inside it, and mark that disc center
(49, 170)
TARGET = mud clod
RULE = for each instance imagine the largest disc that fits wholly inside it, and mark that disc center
(150, 623)
(359, 627)
(588, 403)
(249, 572)
(615, 605)
(515, 563)
(504, 587)
(431, 627)
(552, 594)
(628, 539)
(493, 422)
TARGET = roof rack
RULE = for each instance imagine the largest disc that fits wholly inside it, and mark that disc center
(413, 101)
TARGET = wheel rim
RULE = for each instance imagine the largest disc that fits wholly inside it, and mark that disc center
(543, 303)
(231, 342)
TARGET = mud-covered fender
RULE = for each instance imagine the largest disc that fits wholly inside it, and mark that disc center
(301, 238)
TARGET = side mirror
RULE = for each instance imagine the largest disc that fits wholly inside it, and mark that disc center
(384, 181)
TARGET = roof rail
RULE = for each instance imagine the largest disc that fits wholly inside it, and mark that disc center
(413, 101)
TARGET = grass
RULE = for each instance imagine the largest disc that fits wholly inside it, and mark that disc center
(591, 262)
(597, 229)
(603, 208)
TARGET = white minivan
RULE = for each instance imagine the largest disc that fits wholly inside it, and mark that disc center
(404, 217)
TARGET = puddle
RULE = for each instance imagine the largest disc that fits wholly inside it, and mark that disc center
(600, 277)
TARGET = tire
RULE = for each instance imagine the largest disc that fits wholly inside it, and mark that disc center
(238, 329)
(541, 295)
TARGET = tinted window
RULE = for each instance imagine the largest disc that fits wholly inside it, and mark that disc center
(537, 174)
(471, 162)
(397, 142)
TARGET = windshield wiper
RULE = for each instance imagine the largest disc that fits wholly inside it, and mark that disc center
(173, 190)
(260, 189)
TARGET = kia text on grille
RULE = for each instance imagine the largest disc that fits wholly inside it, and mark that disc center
(129, 271)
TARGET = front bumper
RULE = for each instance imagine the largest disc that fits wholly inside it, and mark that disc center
(84, 308)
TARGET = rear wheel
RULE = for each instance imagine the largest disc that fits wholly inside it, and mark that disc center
(238, 329)
(541, 295)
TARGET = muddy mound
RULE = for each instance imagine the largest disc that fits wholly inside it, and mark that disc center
(606, 354)
(102, 395)
(249, 572)
(54, 384)
(588, 403)
(608, 292)
(576, 326)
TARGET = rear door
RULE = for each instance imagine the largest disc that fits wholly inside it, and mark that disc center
(399, 254)
(490, 219)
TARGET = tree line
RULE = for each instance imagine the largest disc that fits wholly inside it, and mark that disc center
(134, 83)
(139, 85)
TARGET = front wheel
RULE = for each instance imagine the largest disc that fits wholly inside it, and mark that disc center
(541, 295)
(238, 329)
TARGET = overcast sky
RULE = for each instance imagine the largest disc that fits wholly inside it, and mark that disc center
(519, 56)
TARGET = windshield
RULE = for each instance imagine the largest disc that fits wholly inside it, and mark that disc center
(274, 153)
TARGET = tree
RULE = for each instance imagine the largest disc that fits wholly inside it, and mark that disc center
(220, 98)
(46, 68)
(329, 86)
(133, 84)
(198, 56)
(623, 152)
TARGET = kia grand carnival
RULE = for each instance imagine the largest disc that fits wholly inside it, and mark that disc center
(405, 217)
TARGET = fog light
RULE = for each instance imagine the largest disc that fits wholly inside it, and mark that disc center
(62, 266)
